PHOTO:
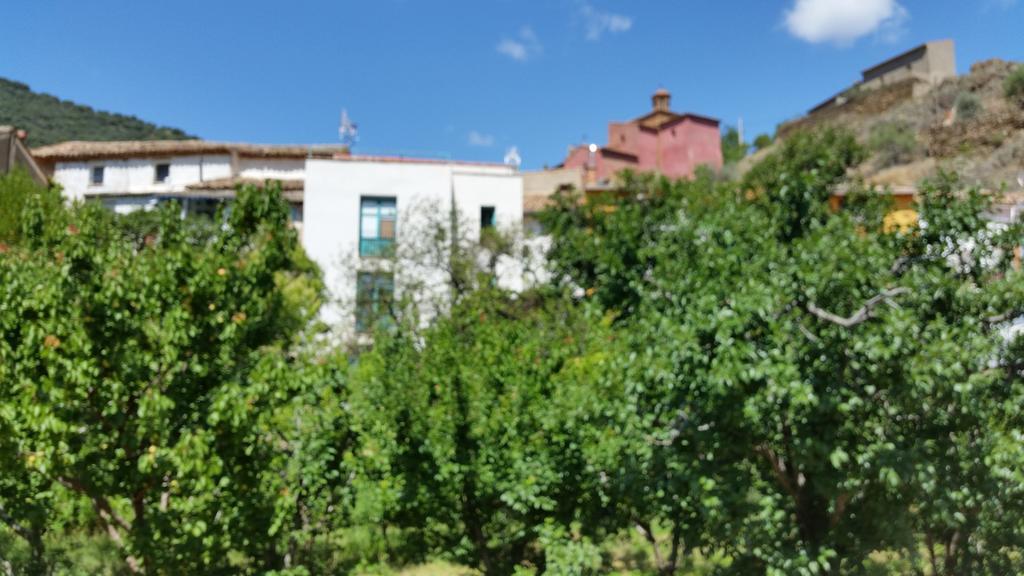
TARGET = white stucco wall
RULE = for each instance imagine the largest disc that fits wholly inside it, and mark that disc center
(137, 176)
(422, 192)
(272, 168)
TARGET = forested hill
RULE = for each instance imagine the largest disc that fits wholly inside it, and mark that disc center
(49, 119)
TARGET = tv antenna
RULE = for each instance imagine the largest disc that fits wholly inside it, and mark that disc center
(512, 157)
(348, 131)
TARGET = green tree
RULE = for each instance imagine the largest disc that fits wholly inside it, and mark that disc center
(49, 120)
(732, 149)
(475, 428)
(816, 387)
(137, 364)
(763, 141)
(25, 203)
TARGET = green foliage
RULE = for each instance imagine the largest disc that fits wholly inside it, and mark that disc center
(763, 141)
(968, 106)
(1013, 86)
(479, 428)
(138, 376)
(793, 381)
(599, 241)
(49, 120)
(794, 184)
(25, 206)
(567, 553)
(719, 378)
(732, 149)
(893, 143)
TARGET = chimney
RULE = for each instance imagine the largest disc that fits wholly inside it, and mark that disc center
(661, 100)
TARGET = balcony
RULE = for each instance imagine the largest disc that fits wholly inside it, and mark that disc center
(376, 247)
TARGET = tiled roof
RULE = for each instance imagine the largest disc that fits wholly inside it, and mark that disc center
(85, 150)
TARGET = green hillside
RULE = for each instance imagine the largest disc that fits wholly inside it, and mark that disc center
(49, 119)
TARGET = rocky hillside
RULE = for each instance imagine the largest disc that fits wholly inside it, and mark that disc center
(966, 124)
(49, 120)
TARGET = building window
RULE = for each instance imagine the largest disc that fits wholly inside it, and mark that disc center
(486, 218)
(163, 171)
(377, 219)
(374, 295)
(201, 207)
(296, 213)
(96, 177)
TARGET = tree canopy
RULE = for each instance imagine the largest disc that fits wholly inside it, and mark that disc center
(728, 377)
(49, 120)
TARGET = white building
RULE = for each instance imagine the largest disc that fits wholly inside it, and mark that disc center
(133, 175)
(349, 210)
(358, 209)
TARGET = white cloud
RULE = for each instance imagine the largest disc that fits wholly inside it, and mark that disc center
(480, 139)
(523, 47)
(999, 4)
(598, 22)
(844, 21)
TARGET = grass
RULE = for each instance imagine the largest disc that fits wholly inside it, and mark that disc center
(437, 568)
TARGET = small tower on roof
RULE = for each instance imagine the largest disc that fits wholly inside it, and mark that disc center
(661, 100)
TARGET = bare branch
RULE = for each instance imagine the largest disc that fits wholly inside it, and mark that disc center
(648, 534)
(807, 333)
(1004, 317)
(110, 519)
(779, 468)
(14, 525)
(837, 513)
(861, 315)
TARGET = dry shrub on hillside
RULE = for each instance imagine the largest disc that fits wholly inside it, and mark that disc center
(1014, 86)
(893, 143)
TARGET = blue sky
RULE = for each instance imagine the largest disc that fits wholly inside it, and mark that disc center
(470, 78)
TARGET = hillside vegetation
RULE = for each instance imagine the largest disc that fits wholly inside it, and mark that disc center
(49, 119)
(972, 124)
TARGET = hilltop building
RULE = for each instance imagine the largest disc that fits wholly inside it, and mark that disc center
(903, 77)
(670, 143)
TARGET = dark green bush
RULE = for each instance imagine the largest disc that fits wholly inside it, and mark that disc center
(763, 141)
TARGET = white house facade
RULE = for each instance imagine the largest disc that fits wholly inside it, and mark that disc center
(358, 210)
(350, 211)
(132, 175)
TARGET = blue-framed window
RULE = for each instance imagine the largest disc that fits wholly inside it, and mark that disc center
(374, 294)
(377, 221)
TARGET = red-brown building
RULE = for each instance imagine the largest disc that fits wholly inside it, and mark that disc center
(662, 141)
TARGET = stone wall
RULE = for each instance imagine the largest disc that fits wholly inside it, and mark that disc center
(859, 103)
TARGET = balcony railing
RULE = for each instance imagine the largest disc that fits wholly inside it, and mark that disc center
(376, 247)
